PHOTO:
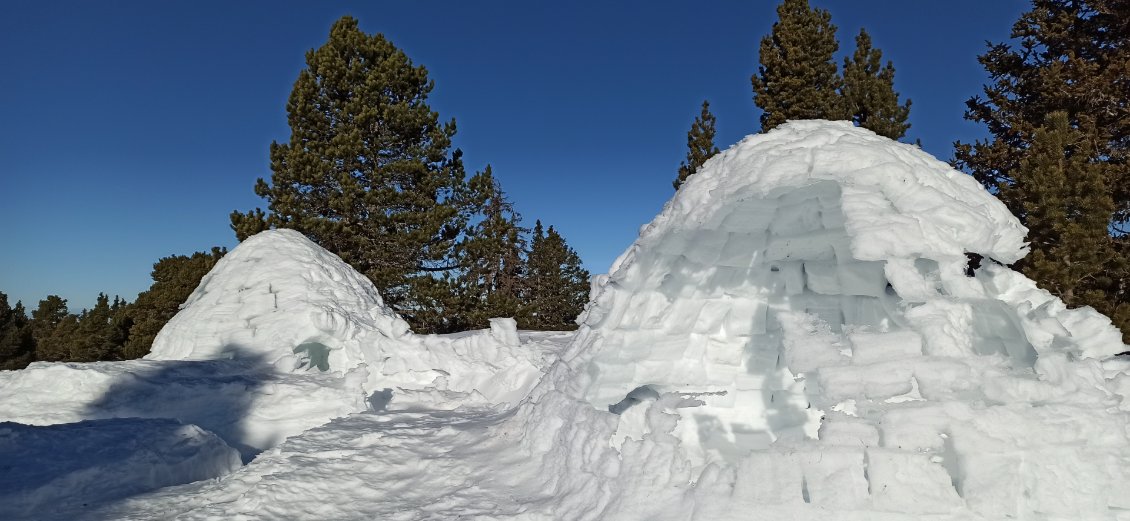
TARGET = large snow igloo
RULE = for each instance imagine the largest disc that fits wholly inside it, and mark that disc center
(820, 281)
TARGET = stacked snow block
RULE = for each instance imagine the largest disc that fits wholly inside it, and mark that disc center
(701, 311)
(273, 293)
(808, 290)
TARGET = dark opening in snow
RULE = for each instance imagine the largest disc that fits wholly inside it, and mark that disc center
(637, 395)
(313, 354)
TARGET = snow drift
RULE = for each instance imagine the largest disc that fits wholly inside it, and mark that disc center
(798, 335)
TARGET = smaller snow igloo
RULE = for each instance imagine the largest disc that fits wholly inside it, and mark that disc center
(282, 300)
(819, 272)
(281, 297)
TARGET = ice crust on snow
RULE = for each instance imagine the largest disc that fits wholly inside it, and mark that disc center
(795, 336)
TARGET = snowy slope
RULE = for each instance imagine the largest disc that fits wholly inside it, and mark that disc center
(795, 336)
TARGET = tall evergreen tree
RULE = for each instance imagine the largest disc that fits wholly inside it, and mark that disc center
(558, 285)
(17, 346)
(492, 283)
(798, 78)
(99, 333)
(1068, 207)
(174, 279)
(869, 91)
(53, 328)
(48, 314)
(700, 144)
(121, 323)
(1070, 56)
(369, 172)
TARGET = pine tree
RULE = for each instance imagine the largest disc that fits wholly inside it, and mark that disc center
(55, 345)
(174, 279)
(1068, 207)
(369, 172)
(53, 328)
(492, 284)
(97, 335)
(557, 285)
(121, 324)
(17, 346)
(1072, 57)
(700, 144)
(798, 78)
(869, 91)
(247, 224)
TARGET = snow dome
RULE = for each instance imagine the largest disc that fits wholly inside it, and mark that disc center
(283, 299)
(810, 292)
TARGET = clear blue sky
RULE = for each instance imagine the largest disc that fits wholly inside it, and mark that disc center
(130, 130)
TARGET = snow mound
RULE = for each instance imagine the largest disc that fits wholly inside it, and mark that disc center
(808, 296)
(282, 298)
(282, 336)
(278, 294)
(61, 470)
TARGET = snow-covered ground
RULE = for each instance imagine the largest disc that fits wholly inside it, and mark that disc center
(54, 469)
(798, 335)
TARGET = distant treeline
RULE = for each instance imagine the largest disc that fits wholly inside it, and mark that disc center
(111, 330)
(544, 290)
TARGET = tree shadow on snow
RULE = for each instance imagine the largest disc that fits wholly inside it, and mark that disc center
(75, 470)
(215, 395)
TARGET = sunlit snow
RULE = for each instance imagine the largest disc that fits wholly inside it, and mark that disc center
(798, 335)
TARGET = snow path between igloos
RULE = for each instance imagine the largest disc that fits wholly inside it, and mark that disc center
(798, 335)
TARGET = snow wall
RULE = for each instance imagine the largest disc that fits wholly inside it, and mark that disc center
(808, 299)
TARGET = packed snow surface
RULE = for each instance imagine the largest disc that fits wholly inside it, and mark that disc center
(798, 335)
(56, 471)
